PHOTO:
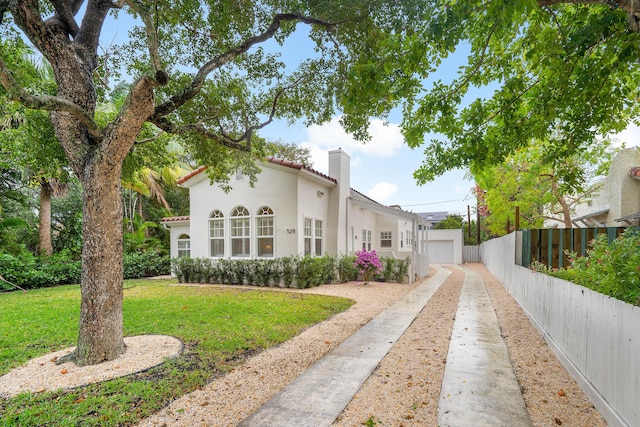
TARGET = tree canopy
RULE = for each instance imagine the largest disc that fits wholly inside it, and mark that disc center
(542, 190)
(561, 71)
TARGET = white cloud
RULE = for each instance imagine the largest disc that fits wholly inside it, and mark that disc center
(386, 139)
(319, 157)
(630, 136)
(382, 191)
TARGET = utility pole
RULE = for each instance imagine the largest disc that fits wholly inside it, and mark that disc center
(469, 222)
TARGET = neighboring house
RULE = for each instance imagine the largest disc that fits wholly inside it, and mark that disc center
(294, 210)
(617, 203)
(433, 218)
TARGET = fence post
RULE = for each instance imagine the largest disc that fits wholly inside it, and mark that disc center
(526, 248)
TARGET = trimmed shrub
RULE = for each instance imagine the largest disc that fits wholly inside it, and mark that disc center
(145, 264)
(300, 272)
(347, 270)
(609, 268)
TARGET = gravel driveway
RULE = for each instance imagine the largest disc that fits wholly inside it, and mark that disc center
(404, 389)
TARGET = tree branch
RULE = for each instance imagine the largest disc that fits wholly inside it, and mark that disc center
(46, 102)
(198, 128)
(152, 33)
(64, 15)
(194, 88)
(91, 27)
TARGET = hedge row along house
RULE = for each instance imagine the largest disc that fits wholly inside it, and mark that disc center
(294, 210)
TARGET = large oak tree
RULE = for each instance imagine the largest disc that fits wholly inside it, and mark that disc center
(199, 71)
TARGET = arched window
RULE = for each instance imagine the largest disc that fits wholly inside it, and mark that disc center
(240, 232)
(265, 231)
(216, 234)
(184, 246)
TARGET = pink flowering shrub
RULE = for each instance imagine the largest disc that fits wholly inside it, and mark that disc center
(368, 264)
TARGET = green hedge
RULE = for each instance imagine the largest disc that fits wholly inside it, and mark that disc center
(30, 272)
(609, 268)
(298, 272)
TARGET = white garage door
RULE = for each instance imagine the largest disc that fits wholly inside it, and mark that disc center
(440, 251)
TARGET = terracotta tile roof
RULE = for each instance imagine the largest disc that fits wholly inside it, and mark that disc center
(298, 166)
(175, 218)
(191, 174)
(275, 161)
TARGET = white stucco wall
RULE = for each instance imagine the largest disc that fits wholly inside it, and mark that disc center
(361, 219)
(278, 188)
(176, 230)
(313, 202)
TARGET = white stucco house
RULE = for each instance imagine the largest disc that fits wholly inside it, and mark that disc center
(617, 202)
(294, 210)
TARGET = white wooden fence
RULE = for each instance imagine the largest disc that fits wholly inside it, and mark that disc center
(596, 337)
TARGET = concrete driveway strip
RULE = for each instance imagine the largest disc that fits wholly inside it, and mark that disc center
(320, 394)
(479, 387)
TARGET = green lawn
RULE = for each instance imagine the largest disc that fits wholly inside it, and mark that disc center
(219, 327)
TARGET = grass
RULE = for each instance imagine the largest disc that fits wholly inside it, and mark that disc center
(219, 328)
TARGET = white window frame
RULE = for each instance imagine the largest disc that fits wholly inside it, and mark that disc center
(366, 239)
(317, 234)
(216, 233)
(408, 239)
(313, 236)
(386, 239)
(265, 232)
(184, 246)
(240, 232)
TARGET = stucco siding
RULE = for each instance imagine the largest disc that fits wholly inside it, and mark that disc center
(313, 202)
(176, 231)
(274, 189)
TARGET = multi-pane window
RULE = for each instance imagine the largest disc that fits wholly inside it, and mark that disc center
(318, 237)
(240, 232)
(408, 239)
(312, 236)
(308, 235)
(366, 239)
(264, 231)
(216, 234)
(385, 239)
(184, 246)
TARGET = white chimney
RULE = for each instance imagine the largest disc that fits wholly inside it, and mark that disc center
(340, 170)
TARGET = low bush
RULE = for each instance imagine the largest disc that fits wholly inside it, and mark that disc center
(395, 270)
(28, 271)
(145, 264)
(300, 272)
(347, 270)
(609, 268)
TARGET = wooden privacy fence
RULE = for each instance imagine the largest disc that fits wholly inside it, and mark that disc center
(549, 245)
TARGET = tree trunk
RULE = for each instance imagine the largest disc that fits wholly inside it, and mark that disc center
(44, 221)
(101, 335)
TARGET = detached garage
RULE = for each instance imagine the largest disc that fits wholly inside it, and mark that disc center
(445, 246)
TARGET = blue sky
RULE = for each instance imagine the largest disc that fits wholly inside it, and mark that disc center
(382, 169)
